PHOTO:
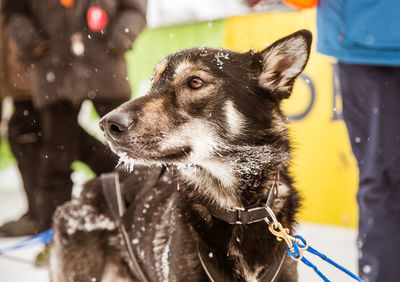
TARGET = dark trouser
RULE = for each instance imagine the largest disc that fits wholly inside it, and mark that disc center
(24, 139)
(371, 110)
(64, 141)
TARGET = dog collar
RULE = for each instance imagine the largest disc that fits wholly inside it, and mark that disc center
(251, 214)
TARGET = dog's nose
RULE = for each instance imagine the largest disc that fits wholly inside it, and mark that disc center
(115, 123)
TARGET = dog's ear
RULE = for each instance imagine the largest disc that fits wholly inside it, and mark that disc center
(283, 61)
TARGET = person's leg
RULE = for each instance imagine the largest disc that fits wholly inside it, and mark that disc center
(371, 110)
(24, 140)
(59, 149)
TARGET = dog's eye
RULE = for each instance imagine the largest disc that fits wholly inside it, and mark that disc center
(196, 83)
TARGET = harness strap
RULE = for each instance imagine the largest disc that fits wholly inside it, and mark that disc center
(113, 195)
(208, 261)
(209, 264)
(269, 274)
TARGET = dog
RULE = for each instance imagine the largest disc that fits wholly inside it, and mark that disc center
(204, 148)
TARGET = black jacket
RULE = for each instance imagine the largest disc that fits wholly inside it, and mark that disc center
(45, 30)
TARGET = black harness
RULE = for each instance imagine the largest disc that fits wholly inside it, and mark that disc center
(113, 195)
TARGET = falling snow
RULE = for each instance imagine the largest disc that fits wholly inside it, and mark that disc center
(50, 76)
(366, 269)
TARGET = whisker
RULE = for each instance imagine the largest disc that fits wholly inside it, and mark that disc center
(183, 150)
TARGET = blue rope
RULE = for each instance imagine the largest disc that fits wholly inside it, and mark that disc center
(41, 238)
(309, 264)
(296, 254)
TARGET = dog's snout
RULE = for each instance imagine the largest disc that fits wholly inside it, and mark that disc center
(115, 123)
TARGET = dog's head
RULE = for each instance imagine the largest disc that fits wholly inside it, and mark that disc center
(205, 104)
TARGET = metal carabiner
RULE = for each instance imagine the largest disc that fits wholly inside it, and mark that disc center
(282, 233)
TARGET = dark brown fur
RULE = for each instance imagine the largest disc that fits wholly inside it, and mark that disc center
(222, 144)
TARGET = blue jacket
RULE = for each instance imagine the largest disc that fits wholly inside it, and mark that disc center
(360, 31)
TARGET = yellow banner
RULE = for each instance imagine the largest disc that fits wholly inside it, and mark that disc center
(324, 168)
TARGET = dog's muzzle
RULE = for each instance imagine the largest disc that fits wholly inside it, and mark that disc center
(115, 124)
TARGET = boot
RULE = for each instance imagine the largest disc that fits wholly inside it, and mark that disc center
(24, 226)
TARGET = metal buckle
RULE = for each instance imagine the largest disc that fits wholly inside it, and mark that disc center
(271, 214)
(256, 209)
(239, 215)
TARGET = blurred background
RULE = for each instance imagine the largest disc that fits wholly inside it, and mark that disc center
(324, 169)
